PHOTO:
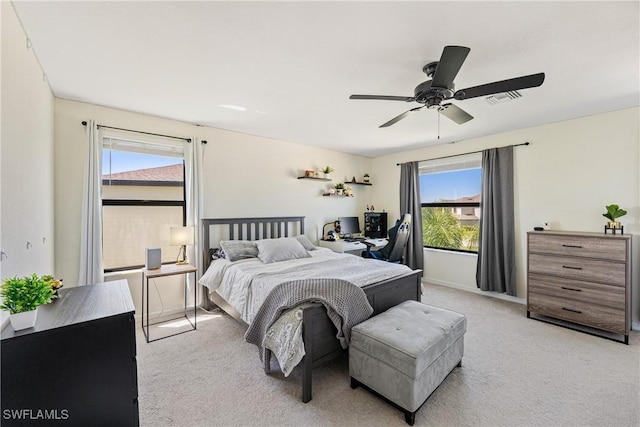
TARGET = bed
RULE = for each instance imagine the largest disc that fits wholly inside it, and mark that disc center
(318, 331)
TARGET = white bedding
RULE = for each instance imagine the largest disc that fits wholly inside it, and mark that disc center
(245, 283)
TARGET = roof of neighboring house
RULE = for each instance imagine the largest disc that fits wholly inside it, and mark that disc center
(161, 174)
(471, 199)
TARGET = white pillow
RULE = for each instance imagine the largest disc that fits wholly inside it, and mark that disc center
(282, 249)
(305, 242)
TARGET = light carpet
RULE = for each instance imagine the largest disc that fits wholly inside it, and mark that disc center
(515, 372)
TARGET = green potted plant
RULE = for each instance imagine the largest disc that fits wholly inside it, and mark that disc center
(22, 296)
(366, 178)
(327, 170)
(612, 214)
(339, 188)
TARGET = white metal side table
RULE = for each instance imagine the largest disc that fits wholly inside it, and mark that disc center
(164, 271)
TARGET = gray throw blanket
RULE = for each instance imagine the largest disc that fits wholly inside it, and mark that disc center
(346, 305)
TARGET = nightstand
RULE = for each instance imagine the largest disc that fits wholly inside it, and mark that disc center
(164, 271)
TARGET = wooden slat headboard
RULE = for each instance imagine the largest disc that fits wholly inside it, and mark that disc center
(216, 229)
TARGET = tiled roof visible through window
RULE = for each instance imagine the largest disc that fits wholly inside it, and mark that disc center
(172, 173)
(472, 199)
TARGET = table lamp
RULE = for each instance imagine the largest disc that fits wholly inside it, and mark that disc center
(181, 236)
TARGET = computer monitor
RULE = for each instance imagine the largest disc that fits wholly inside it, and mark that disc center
(349, 225)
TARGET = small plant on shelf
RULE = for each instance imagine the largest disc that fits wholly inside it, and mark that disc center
(366, 178)
(339, 188)
(327, 170)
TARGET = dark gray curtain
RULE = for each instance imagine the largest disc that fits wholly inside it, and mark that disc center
(410, 203)
(496, 251)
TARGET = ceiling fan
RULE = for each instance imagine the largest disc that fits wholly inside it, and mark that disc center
(440, 88)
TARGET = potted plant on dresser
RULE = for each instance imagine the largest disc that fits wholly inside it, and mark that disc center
(22, 296)
(612, 214)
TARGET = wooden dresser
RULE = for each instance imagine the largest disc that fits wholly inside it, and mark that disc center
(77, 366)
(584, 278)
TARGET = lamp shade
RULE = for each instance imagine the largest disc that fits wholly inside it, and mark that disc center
(181, 236)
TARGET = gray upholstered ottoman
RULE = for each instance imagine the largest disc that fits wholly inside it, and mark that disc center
(405, 353)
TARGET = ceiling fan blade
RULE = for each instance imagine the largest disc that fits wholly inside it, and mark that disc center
(455, 113)
(384, 97)
(400, 117)
(524, 82)
(450, 62)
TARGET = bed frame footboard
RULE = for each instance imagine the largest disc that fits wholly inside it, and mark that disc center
(319, 332)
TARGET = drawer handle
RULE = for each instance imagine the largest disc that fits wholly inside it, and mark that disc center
(571, 289)
(571, 268)
(572, 246)
(573, 311)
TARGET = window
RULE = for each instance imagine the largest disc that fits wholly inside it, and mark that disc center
(143, 195)
(450, 198)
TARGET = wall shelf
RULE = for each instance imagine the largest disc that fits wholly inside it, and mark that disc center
(314, 178)
(358, 183)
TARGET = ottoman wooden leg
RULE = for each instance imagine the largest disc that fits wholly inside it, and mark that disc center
(410, 417)
(459, 365)
(354, 383)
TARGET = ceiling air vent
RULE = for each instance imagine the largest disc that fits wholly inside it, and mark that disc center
(501, 98)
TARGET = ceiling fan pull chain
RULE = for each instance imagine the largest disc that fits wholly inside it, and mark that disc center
(438, 124)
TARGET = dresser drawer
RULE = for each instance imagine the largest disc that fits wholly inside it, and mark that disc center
(588, 314)
(575, 290)
(608, 272)
(588, 247)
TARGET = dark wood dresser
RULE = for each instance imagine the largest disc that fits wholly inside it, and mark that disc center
(583, 278)
(77, 366)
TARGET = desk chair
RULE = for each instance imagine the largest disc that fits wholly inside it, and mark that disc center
(398, 238)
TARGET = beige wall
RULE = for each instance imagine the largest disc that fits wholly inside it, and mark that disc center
(571, 170)
(26, 153)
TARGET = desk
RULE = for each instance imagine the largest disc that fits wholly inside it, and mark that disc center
(353, 248)
(163, 271)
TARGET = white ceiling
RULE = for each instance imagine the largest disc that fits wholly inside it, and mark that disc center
(293, 65)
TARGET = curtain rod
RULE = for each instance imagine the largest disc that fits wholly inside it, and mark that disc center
(84, 123)
(463, 154)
